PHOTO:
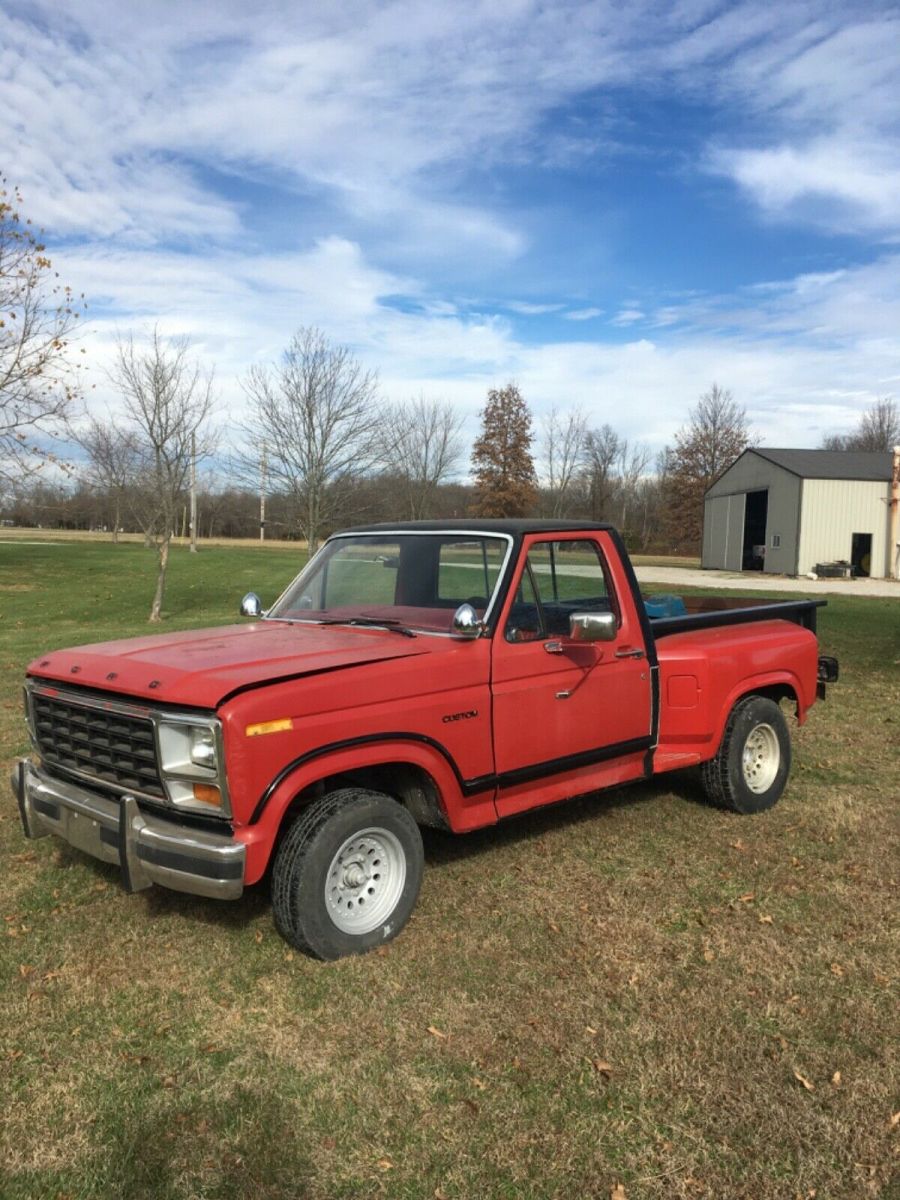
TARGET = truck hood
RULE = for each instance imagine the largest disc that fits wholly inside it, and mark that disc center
(200, 668)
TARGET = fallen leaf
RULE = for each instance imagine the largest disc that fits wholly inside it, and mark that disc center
(708, 955)
(895, 1120)
(480, 1084)
(810, 1087)
(470, 1105)
(553, 926)
(602, 1066)
(385, 1164)
(25, 969)
(738, 845)
(435, 1032)
(765, 919)
(590, 1029)
(836, 1079)
(837, 969)
(258, 935)
(747, 898)
(617, 1192)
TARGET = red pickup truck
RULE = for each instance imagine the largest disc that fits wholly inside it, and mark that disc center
(440, 674)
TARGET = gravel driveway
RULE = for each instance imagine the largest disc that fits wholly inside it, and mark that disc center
(756, 581)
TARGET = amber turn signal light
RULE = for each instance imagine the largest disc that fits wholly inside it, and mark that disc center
(207, 794)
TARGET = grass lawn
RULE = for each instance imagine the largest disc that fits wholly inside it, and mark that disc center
(630, 988)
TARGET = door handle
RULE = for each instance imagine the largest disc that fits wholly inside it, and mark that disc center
(629, 652)
(553, 647)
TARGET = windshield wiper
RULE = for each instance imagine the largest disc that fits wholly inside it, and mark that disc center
(388, 623)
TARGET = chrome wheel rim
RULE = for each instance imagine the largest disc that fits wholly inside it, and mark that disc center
(761, 758)
(365, 880)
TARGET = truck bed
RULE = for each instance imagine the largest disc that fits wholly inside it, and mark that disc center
(706, 612)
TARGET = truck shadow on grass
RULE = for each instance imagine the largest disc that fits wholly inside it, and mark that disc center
(442, 849)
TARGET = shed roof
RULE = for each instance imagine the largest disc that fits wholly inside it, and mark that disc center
(829, 464)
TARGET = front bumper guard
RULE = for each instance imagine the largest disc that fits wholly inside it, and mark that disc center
(147, 849)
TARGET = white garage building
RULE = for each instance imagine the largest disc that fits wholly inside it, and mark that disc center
(786, 511)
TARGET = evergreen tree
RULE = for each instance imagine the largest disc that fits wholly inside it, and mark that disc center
(502, 464)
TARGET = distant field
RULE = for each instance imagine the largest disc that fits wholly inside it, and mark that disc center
(77, 535)
(629, 988)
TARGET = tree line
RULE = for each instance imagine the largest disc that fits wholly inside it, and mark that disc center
(318, 448)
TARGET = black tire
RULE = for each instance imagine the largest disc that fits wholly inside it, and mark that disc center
(751, 768)
(382, 867)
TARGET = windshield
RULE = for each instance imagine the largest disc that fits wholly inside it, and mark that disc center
(417, 580)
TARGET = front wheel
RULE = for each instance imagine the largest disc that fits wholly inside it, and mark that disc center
(347, 874)
(750, 770)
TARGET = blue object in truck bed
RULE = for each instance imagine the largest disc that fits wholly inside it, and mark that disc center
(665, 606)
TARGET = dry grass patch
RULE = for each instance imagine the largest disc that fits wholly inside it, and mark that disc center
(631, 987)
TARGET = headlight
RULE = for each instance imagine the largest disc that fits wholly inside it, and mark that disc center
(203, 747)
(190, 764)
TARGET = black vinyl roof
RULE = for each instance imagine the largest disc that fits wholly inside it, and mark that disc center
(863, 465)
(513, 526)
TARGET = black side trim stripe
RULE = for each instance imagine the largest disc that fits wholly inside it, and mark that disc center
(190, 865)
(468, 787)
(571, 762)
(47, 807)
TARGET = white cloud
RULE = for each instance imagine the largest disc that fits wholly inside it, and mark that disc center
(526, 309)
(627, 316)
(583, 314)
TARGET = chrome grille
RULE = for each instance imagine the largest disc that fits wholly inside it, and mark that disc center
(111, 747)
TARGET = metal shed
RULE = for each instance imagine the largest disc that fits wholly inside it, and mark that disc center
(786, 511)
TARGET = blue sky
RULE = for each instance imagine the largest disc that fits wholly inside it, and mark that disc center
(613, 205)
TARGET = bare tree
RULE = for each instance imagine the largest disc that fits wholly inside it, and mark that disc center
(420, 445)
(37, 315)
(632, 464)
(113, 461)
(602, 448)
(878, 429)
(168, 403)
(561, 455)
(714, 437)
(316, 414)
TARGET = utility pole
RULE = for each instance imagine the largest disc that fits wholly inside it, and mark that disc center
(193, 491)
(262, 493)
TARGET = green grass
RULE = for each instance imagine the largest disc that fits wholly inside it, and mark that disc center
(617, 989)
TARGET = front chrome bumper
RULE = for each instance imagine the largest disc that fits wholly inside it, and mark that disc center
(148, 849)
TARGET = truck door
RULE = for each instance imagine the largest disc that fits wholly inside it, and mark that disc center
(567, 716)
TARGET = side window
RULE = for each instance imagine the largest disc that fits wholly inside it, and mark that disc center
(525, 621)
(468, 570)
(563, 578)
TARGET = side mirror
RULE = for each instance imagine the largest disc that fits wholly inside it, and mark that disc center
(251, 605)
(592, 627)
(465, 622)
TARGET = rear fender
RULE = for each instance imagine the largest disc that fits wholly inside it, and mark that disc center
(775, 684)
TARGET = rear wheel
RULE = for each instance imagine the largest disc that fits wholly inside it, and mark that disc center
(750, 770)
(347, 874)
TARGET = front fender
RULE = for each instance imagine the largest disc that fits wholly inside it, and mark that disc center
(463, 808)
